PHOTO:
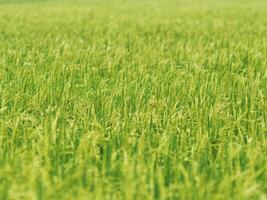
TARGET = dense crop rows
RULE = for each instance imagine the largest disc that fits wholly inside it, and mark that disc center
(133, 100)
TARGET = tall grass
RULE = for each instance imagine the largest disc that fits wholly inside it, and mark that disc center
(133, 100)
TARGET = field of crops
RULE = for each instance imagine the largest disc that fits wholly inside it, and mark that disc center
(133, 99)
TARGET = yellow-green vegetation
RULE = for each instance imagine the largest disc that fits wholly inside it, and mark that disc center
(133, 99)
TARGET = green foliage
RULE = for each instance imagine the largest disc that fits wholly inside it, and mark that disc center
(133, 100)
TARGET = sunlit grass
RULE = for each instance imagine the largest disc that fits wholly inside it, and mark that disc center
(133, 100)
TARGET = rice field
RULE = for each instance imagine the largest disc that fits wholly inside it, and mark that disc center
(133, 99)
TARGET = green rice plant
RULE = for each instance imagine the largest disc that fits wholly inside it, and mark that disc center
(131, 99)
